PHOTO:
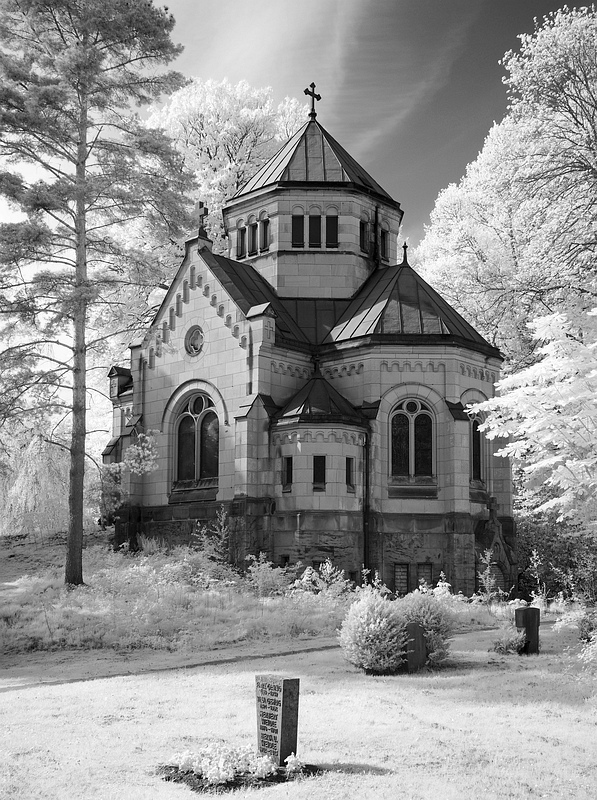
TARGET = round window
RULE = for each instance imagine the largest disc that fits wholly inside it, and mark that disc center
(411, 407)
(193, 341)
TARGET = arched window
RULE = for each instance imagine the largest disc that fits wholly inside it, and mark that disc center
(411, 441)
(197, 441)
(241, 239)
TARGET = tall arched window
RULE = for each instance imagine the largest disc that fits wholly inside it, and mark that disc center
(476, 449)
(411, 440)
(197, 441)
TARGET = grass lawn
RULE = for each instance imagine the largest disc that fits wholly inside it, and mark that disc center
(485, 726)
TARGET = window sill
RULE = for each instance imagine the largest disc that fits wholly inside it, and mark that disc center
(350, 489)
(287, 488)
(478, 493)
(422, 488)
(319, 487)
(193, 491)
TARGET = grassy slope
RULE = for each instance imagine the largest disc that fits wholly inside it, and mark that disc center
(485, 726)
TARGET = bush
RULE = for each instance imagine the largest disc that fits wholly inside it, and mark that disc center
(587, 626)
(433, 616)
(266, 580)
(373, 635)
(510, 640)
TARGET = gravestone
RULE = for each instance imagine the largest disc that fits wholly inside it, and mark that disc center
(416, 649)
(527, 619)
(277, 715)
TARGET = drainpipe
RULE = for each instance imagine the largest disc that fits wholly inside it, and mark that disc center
(366, 499)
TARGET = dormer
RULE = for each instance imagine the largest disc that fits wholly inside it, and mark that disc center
(312, 221)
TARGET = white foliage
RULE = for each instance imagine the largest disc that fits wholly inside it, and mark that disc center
(548, 413)
(226, 133)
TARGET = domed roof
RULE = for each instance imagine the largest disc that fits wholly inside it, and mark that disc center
(313, 156)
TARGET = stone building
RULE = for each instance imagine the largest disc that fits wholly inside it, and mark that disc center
(313, 384)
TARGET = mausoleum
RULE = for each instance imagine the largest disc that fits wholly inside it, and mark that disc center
(316, 387)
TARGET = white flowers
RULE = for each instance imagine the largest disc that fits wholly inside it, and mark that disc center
(217, 763)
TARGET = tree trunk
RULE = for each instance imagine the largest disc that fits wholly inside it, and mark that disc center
(74, 549)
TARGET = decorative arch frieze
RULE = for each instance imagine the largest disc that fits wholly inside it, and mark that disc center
(412, 366)
(306, 435)
(343, 370)
(294, 370)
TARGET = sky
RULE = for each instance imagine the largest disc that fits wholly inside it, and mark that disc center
(409, 87)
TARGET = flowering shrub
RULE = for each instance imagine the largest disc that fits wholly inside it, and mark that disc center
(327, 578)
(142, 456)
(218, 764)
(435, 619)
(373, 635)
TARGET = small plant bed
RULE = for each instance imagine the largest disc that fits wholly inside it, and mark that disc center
(217, 769)
(198, 783)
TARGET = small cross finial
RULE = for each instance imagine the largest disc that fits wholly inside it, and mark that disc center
(405, 257)
(314, 97)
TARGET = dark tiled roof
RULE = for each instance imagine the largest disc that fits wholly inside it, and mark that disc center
(319, 401)
(396, 301)
(248, 288)
(313, 156)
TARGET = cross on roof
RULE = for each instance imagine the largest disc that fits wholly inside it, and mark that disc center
(314, 97)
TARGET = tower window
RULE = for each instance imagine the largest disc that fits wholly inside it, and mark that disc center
(264, 235)
(298, 230)
(412, 441)
(287, 474)
(252, 238)
(364, 235)
(350, 474)
(383, 245)
(315, 231)
(331, 231)
(241, 243)
(319, 473)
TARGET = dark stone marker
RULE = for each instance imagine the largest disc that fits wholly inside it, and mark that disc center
(416, 649)
(527, 619)
(277, 715)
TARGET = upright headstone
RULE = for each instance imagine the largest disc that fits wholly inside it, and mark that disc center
(416, 650)
(528, 619)
(277, 715)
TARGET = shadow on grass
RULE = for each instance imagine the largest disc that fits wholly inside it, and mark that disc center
(354, 769)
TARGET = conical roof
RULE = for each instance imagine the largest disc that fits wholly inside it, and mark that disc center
(318, 401)
(313, 156)
(397, 301)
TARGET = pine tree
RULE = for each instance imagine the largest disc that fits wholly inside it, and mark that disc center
(80, 164)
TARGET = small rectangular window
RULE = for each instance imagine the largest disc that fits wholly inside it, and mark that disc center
(264, 238)
(383, 243)
(364, 236)
(425, 573)
(241, 243)
(284, 560)
(401, 579)
(350, 474)
(331, 231)
(315, 231)
(298, 230)
(319, 473)
(287, 474)
(253, 239)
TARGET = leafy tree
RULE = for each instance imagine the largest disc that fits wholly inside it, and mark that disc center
(225, 133)
(515, 238)
(80, 164)
(547, 413)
